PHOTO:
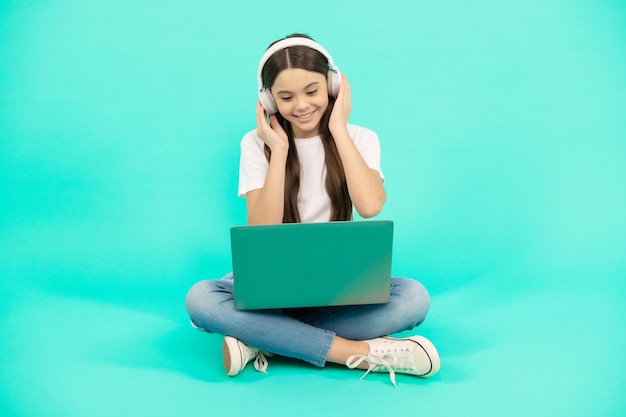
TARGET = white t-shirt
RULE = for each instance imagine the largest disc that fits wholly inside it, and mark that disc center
(313, 200)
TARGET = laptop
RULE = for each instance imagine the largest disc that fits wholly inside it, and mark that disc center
(311, 264)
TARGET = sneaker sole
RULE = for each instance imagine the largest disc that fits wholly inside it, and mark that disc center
(431, 352)
(233, 365)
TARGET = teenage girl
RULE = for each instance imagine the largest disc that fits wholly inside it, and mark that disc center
(305, 163)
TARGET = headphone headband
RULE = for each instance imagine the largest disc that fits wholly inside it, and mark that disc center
(333, 76)
(286, 43)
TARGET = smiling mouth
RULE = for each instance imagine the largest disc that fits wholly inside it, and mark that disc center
(306, 116)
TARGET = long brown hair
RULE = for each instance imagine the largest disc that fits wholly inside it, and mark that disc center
(303, 57)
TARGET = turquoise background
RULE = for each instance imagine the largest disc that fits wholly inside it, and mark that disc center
(503, 131)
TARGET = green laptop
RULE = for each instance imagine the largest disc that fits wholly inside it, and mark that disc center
(312, 264)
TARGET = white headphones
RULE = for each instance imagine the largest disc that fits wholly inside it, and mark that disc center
(333, 76)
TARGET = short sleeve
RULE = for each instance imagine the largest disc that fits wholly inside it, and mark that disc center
(366, 142)
(253, 164)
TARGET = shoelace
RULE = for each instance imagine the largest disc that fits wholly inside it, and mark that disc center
(375, 363)
(261, 362)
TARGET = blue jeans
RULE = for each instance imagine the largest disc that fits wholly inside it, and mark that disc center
(304, 333)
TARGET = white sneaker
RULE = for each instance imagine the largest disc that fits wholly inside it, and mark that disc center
(415, 355)
(237, 355)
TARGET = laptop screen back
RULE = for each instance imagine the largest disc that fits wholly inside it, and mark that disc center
(312, 264)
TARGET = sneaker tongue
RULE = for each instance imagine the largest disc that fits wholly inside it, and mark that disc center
(397, 360)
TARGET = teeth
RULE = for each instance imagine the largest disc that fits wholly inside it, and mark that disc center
(304, 116)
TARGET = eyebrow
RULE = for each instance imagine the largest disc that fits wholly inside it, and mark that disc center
(305, 88)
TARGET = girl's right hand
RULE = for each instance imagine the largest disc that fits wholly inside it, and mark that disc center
(273, 134)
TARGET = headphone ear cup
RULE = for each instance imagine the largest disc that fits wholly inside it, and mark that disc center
(267, 101)
(334, 81)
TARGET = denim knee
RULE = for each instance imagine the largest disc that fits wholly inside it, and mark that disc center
(194, 300)
(202, 300)
(414, 301)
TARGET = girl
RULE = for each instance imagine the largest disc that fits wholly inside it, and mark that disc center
(305, 163)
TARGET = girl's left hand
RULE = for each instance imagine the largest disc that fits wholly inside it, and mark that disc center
(343, 107)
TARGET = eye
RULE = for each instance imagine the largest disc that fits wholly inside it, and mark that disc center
(285, 98)
(311, 93)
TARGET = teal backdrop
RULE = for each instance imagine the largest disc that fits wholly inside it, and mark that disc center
(503, 133)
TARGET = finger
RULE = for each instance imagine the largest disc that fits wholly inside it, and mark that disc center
(259, 115)
(273, 120)
(261, 120)
(265, 115)
(346, 85)
(276, 127)
(342, 84)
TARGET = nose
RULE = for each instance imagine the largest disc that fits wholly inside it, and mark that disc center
(302, 103)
